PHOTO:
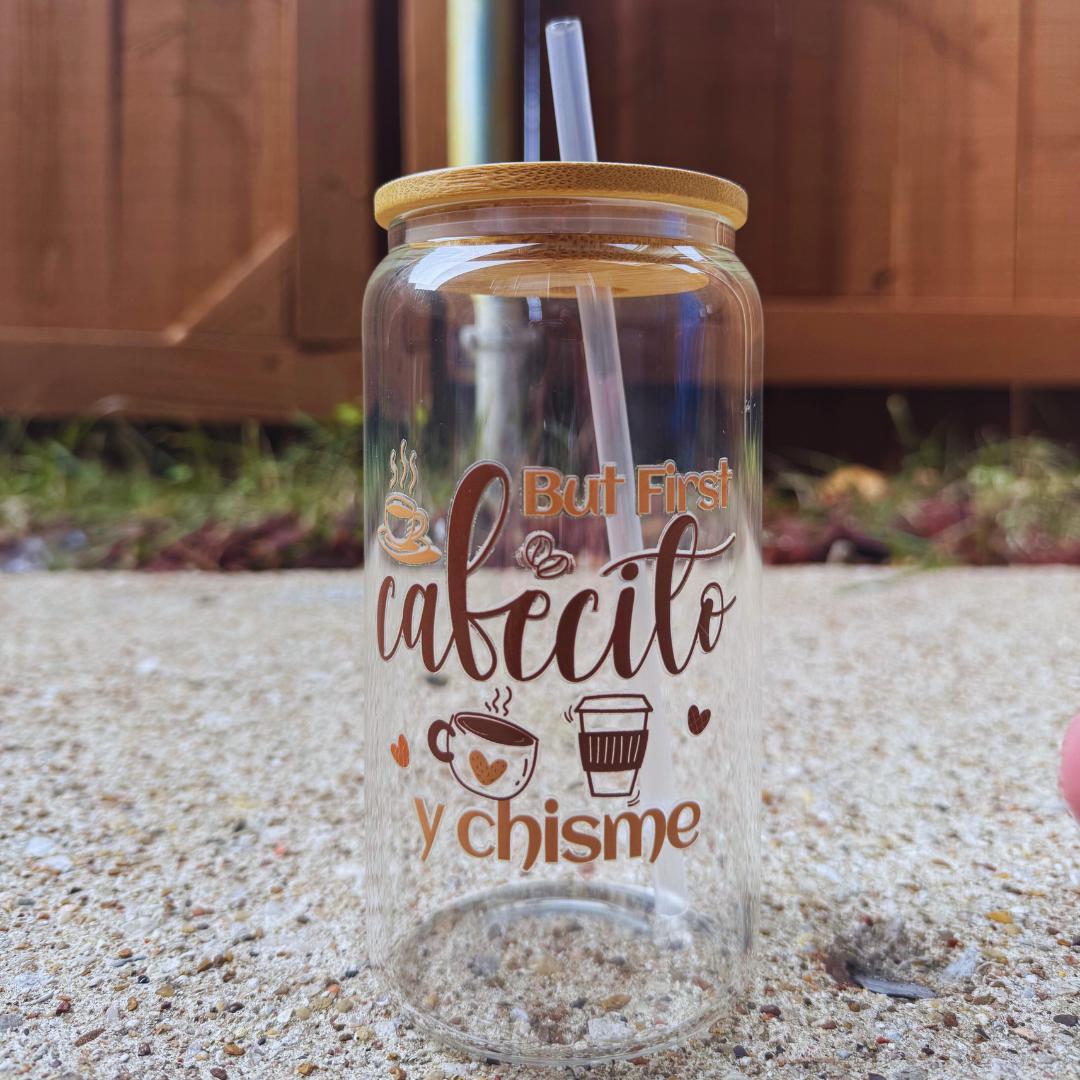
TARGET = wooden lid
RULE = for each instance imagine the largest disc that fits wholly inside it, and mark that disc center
(485, 184)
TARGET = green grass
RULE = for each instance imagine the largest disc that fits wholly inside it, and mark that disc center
(110, 494)
(113, 494)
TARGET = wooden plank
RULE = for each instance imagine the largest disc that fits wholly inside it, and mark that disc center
(10, 302)
(956, 209)
(1048, 185)
(336, 234)
(80, 291)
(150, 381)
(713, 67)
(248, 300)
(846, 343)
(217, 160)
(53, 373)
(207, 148)
(810, 43)
(868, 112)
(147, 242)
(692, 87)
(423, 84)
(273, 116)
(54, 140)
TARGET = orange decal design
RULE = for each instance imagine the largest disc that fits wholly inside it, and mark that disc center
(403, 535)
(399, 751)
(487, 772)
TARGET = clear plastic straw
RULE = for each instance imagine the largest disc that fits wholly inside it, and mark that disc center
(577, 142)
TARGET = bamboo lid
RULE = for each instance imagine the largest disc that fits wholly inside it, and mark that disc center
(517, 180)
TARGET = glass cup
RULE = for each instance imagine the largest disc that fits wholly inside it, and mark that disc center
(562, 372)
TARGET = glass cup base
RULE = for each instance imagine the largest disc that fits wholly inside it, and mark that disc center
(551, 974)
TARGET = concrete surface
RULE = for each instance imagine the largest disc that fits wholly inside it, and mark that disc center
(181, 857)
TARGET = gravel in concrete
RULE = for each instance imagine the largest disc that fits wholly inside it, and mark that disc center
(181, 783)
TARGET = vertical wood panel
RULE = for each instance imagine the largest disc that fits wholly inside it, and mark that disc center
(273, 115)
(691, 86)
(423, 84)
(336, 239)
(1048, 203)
(56, 135)
(868, 111)
(84, 130)
(957, 155)
(811, 44)
(217, 164)
(147, 242)
(9, 133)
(698, 92)
(206, 150)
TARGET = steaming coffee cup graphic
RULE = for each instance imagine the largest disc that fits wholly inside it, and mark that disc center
(488, 755)
(403, 533)
(612, 741)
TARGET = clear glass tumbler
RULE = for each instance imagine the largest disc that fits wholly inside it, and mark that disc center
(562, 373)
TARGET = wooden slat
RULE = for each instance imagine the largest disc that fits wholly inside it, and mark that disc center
(696, 91)
(956, 212)
(147, 240)
(54, 141)
(218, 151)
(810, 64)
(809, 343)
(273, 103)
(206, 151)
(10, 306)
(149, 381)
(1048, 185)
(336, 239)
(423, 84)
(848, 344)
(868, 111)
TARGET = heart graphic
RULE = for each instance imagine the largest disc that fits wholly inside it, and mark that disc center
(399, 751)
(487, 772)
(697, 720)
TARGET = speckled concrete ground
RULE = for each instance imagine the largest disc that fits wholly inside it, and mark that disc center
(180, 847)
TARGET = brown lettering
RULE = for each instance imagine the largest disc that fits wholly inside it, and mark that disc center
(505, 829)
(478, 649)
(635, 826)
(573, 835)
(463, 826)
(585, 838)
(675, 830)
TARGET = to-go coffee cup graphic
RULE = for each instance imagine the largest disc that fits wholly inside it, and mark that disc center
(612, 741)
(488, 755)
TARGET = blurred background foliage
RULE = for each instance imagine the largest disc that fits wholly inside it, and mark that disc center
(111, 494)
(123, 496)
